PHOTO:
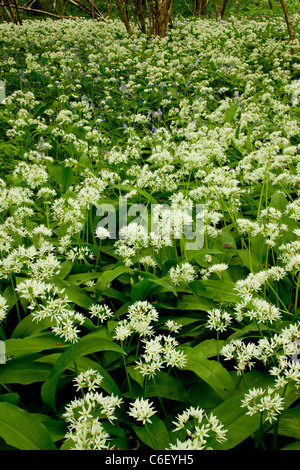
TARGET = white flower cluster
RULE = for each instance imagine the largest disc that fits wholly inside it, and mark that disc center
(160, 352)
(142, 410)
(260, 400)
(139, 318)
(201, 428)
(182, 274)
(84, 415)
(218, 320)
(3, 307)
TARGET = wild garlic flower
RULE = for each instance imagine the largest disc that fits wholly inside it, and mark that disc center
(148, 261)
(218, 320)
(122, 330)
(254, 281)
(182, 274)
(134, 235)
(249, 227)
(257, 309)
(241, 352)
(102, 233)
(90, 379)
(201, 428)
(287, 369)
(160, 352)
(140, 315)
(101, 311)
(66, 326)
(260, 400)
(84, 417)
(173, 326)
(3, 307)
(142, 410)
(214, 269)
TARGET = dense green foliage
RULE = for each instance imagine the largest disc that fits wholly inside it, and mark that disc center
(157, 335)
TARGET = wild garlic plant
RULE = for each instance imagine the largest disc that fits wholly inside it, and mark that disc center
(149, 234)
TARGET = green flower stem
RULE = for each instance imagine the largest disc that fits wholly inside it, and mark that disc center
(278, 298)
(15, 296)
(91, 226)
(296, 294)
(2, 333)
(250, 257)
(159, 397)
(261, 432)
(150, 436)
(244, 380)
(276, 425)
(98, 255)
(127, 376)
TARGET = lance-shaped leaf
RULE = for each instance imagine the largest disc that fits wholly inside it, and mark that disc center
(22, 430)
(89, 344)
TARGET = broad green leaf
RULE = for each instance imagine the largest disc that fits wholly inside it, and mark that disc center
(63, 176)
(89, 344)
(230, 112)
(166, 386)
(56, 428)
(65, 268)
(212, 372)
(245, 259)
(289, 423)
(194, 302)
(108, 276)
(23, 430)
(10, 298)
(31, 344)
(135, 375)
(24, 371)
(219, 290)
(75, 294)
(155, 435)
(239, 425)
(209, 347)
(146, 287)
(10, 397)
(28, 326)
(293, 446)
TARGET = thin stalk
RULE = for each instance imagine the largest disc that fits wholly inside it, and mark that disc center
(159, 397)
(244, 380)
(250, 257)
(15, 296)
(296, 294)
(261, 432)
(150, 436)
(278, 298)
(98, 255)
(127, 377)
(276, 425)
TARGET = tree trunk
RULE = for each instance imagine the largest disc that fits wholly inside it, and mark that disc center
(225, 2)
(17, 12)
(10, 11)
(140, 14)
(162, 16)
(289, 24)
(270, 4)
(124, 16)
(199, 7)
